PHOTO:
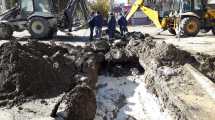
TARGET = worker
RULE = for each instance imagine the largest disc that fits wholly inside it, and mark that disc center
(91, 22)
(123, 24)
(111, 26)
(98, 25)
(186, 6)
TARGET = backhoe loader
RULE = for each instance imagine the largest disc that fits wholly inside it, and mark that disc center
(199, 16)
(40, 17)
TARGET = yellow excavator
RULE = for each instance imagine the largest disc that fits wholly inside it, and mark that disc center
(198, 15)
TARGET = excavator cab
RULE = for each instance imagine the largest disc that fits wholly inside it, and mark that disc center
(30, 6)
(26, 8)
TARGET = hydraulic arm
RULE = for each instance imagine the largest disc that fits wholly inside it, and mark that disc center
(152, 14)
(72, 7)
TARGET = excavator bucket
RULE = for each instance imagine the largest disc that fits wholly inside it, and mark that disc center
(152, 14)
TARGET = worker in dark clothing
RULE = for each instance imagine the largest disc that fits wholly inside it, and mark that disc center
(91, 22)
(98, 25)
(111, 26)
(123, 24)
(186, 6)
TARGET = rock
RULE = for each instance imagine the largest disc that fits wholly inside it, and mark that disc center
(206, 65)
(119, 43)
(116, 55)
(134, 36)
(166, 71)
(101, 46)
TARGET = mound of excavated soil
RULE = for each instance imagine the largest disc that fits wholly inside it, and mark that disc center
(37, 70)
(27, 71)
(164, 54)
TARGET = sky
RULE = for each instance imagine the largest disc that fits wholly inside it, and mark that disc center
(121, 1)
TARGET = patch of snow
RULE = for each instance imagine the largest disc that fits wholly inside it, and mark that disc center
(32, 110)
(126, 98)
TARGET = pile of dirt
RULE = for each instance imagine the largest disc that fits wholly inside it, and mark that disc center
(119, 58)
(166, 54)
(27, 72)
(37, 70)
(206, 65)
(163, 70)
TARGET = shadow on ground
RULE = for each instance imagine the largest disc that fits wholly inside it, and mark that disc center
(60, 38)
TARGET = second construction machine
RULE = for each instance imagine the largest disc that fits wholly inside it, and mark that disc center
(199, 16)
(40, 17)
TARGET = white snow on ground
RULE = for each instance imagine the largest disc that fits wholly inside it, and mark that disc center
(33, 110)
(126, 98)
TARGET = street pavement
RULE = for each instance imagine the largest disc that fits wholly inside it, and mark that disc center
(203, 43)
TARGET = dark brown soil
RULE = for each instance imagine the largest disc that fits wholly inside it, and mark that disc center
(27, 73)
(81, 103)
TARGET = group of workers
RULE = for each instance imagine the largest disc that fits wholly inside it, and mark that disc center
(96, 23)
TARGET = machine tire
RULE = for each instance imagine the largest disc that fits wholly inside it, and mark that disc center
(172, 31)
(190, 26)
(39, 28)
(6, 31)
(213, 30)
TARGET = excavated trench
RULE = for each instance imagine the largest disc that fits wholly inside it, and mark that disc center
(39, 71)
(133, 78)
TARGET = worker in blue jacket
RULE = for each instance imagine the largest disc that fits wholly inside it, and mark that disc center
(111, 26)
(98, 25)
(91, 22)
(123, 24)
(186, 6)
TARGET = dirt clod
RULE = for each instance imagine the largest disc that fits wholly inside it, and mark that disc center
(81, 103)
(206, 65)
